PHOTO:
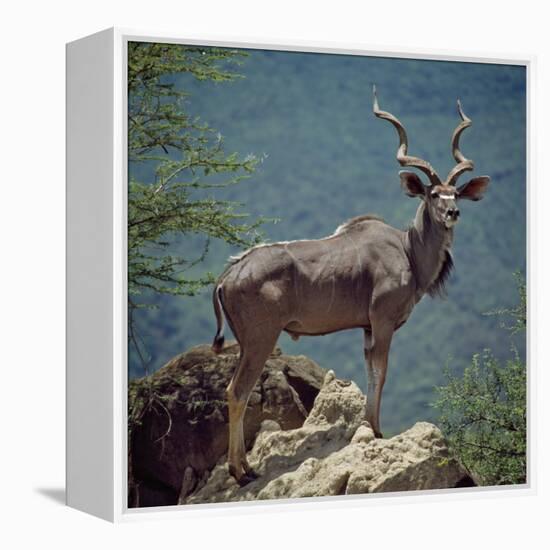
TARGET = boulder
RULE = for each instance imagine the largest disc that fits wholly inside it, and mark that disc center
(178, 422)
(335, 453)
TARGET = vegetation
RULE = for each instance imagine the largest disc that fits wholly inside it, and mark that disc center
(483, 413)
(173, 159)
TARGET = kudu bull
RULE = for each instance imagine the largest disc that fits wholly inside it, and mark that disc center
(366, 275)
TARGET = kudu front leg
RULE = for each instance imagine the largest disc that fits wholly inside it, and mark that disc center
(376, 346)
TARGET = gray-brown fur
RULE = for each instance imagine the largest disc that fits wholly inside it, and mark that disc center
(365, 275)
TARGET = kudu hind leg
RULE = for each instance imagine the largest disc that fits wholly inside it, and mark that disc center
(376, 346)
(253, 357)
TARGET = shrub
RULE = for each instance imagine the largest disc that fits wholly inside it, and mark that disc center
(483, 413)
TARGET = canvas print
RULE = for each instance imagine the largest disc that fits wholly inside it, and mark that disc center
(326, 274)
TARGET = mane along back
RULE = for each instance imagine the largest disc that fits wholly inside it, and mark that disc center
(346, 226)
(354, 222)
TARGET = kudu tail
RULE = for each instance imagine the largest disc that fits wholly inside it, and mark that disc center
(219, 339)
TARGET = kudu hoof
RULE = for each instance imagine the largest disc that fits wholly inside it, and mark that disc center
(245, 478)
(249, 472)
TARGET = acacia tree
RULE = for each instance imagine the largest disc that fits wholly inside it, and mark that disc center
(175, 164)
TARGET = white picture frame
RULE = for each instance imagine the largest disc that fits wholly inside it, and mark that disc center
(96, 372)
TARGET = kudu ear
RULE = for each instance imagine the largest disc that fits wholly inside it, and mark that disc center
(474, 189)
(412, 184)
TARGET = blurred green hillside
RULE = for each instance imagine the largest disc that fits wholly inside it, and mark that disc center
(327, 159)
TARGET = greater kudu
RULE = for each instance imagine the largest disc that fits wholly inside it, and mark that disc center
(366, 275)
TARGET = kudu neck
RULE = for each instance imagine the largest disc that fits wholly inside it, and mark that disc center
(430, 244)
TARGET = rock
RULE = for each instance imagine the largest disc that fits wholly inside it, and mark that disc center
(178, 425)
(335, 453)
(364, 434)
(417, 459)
